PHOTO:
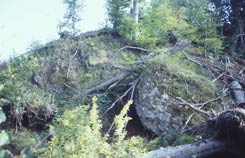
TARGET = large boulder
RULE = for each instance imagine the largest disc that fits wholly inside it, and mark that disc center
(164, 79)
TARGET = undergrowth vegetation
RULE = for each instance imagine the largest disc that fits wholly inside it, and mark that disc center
(77, 134)
(52, 79)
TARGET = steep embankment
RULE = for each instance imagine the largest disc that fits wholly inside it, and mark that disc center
(40, 85)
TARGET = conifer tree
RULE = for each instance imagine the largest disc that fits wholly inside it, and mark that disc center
(71, 17)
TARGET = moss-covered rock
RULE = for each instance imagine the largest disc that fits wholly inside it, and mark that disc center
(165, 78)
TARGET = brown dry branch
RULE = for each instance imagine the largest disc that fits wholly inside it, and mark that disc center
(195, 108)
(138, 48)
(178, 46)
(28, 116)
(200, 106)
(123, 75)
(130, 90)
(221, 71)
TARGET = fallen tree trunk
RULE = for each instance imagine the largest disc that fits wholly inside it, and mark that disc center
(179, 46)
(202, 149)
(229, 136)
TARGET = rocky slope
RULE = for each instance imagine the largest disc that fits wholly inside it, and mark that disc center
(60, 75)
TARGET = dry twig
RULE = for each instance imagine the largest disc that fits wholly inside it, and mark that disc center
(195, 109)
(130, 89)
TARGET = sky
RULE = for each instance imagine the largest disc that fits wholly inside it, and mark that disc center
(25, 21)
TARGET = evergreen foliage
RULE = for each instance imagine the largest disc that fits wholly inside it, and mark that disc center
(232, 18)
(71, 17)
(117, 10)
(200, 15)
(161, 19)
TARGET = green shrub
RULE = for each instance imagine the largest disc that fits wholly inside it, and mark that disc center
(157, 22)
(78, 135)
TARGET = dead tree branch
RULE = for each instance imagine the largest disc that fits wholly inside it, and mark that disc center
(138, 48)
(221, 70)
(136, 64)
(109, 82)
(130, 89)
(178, 46)
(194, 108)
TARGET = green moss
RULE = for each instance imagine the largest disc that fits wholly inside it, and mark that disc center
(185, 79)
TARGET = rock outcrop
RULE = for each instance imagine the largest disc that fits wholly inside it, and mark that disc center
(162, 82)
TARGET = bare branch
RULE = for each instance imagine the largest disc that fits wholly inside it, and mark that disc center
(194, 108)
(138, 48)
(130, 89)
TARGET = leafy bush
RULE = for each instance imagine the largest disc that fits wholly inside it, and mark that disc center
(128, 27)
(78, 135)
(157, 22)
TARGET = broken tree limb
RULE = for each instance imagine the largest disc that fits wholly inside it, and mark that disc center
(232, 72)
(137, 63)
(109, 82)
(138, 48)
(130, 89)
(202, 149)
(194, 108)
(238, 93)
(178, 46)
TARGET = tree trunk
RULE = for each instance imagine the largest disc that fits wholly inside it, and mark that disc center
(135, 11)
(135, 16)
(229, 138)
(240, 23)
(202, 149)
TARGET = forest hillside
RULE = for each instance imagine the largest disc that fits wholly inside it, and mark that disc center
(164, 74)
